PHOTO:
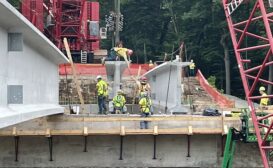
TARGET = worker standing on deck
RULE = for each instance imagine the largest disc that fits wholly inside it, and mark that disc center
(119, 103)
(145, 104)
(264, 101)
(117, 52)
(102, 93)
(192, 68)
(151, 65)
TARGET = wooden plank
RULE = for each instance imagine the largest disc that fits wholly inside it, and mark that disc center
(225, 130)
(122, 131)
(85, 131)
(190, 132)
(75, 77)
(137, 118)
(155, 130)
(14, 132)
(48, 133)
(79, 132)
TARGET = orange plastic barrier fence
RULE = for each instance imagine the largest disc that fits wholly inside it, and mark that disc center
(221, 100)
(99, 69)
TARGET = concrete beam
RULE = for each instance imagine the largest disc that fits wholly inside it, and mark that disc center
(14, 114)
(114, 70)
(165, 82)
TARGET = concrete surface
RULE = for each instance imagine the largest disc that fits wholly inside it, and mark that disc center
(114, 70)
(103, 151)
(34, 69)
(165, 82)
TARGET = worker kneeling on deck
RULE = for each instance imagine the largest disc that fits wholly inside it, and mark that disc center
(119, 103)
(117, 52)
(102, 94)
(145, 104)
(264, 101)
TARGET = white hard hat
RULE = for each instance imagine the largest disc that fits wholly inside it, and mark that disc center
(120, 91)
(99, 77)
(262, 88)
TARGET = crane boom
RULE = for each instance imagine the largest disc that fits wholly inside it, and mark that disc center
(253, 73)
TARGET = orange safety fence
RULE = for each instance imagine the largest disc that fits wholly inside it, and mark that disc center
(99, 69)
(220, 99)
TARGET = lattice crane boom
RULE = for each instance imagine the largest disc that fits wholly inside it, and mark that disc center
(253, 74)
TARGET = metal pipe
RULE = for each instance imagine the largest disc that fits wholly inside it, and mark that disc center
(189, 145)
(50, 143)
(223, 140)
(85, 144)
(154, 147)
(16, 140)
(121, 148)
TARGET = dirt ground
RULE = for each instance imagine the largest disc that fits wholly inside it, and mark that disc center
(193, 92)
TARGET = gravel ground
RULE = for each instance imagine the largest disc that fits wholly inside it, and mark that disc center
(239, 103)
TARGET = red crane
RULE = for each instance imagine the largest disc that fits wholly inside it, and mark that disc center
(253, 73)
(77, 20)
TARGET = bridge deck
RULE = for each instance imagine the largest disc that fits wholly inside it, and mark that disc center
(121, 125)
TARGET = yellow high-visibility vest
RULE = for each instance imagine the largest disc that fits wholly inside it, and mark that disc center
(102, 88)
(192, 65)
(264, 101)
(119, 101)
(121, 52)
(145, 104)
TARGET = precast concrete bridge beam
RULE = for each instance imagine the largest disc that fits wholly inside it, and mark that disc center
(114, 70)
(165, 82)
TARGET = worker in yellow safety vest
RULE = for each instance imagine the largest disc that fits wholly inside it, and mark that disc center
(264, 101)
(143, 86)
(119, 102)
(117, 52)
(151, 65)
(145, 104)
(192, 68)
(102, 93)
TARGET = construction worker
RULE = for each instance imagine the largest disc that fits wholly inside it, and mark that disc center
(151, 65)
(145, 104)
(119, 102)
(117, 52)
(264, 101)
(143, 86)
(192, 68)
(102, 94)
